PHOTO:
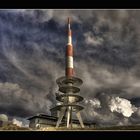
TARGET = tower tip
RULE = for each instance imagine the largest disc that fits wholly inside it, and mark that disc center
(68, 20)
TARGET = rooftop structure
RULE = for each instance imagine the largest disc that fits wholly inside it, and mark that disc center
(46, 121)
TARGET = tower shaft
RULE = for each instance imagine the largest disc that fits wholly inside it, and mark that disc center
(69, 53)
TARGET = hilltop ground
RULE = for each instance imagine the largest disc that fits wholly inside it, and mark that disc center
(16, 128)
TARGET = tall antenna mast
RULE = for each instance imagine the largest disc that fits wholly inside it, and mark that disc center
(68, 85)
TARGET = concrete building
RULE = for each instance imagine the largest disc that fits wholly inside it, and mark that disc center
(46, 121)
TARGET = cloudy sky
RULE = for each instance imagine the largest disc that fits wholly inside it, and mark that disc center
(106, 56)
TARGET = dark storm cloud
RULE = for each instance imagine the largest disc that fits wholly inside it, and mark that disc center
(136, 101)
(106, 56)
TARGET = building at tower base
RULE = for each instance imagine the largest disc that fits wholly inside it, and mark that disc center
(41, 121)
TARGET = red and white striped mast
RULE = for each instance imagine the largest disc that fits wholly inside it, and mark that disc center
(69, 53)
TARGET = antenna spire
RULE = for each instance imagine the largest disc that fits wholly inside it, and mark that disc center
(68, 23)
(69, 33)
